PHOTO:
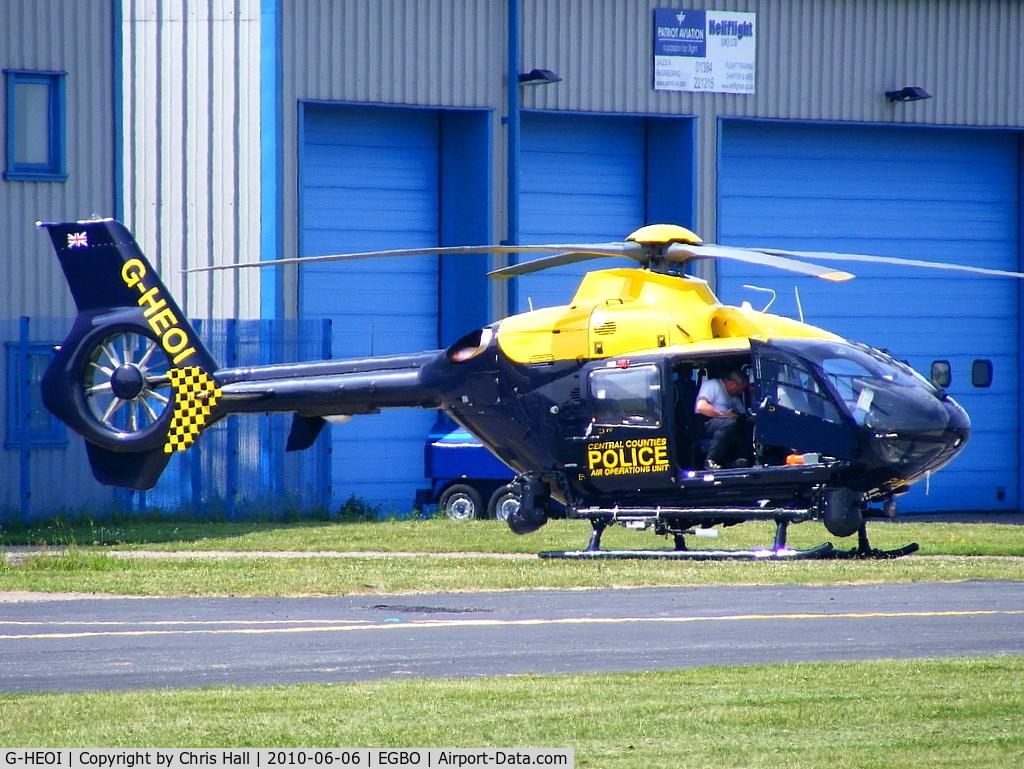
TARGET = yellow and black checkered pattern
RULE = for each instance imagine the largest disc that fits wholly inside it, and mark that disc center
(195, 395)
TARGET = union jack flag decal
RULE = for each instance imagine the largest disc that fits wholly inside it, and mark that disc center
(77, 239)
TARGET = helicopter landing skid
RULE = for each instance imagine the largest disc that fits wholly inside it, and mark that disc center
(864, 549)
(778, 552)
(768, 554)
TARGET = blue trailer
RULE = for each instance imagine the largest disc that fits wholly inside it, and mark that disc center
(466, 480)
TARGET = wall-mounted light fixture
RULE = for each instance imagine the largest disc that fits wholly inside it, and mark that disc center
(538, 77)
(907, 93)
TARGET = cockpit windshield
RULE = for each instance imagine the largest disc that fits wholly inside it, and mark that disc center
(878, 391)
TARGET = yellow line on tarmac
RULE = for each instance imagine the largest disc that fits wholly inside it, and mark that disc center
(270, 627)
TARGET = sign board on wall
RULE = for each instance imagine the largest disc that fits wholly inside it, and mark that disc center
(710, 51)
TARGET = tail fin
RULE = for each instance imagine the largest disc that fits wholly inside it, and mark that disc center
(132, 377)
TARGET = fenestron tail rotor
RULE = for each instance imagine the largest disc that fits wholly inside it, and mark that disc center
(125, 384)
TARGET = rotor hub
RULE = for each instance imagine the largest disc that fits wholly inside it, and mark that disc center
(663, 234)
(128, 381)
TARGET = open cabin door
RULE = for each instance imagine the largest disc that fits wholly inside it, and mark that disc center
(795, 411)
(627, 446)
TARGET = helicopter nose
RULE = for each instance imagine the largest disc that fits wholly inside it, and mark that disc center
(930, 437)
(955, 434)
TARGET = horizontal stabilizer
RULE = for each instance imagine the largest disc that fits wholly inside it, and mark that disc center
(304, 432)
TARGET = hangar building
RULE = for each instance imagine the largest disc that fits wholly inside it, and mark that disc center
(223, 131)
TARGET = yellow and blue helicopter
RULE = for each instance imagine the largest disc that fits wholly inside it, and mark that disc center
(591, 403)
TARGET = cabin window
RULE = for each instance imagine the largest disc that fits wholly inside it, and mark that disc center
(35, 126)
(789, 385)
(626, 396)
(875, 389)
(942, 373)
(981, 373)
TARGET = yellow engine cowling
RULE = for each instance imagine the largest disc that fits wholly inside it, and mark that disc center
(623, 311)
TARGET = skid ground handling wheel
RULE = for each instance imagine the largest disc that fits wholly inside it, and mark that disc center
(777, 552)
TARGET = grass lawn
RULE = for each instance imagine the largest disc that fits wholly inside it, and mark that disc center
(890, 713)
(308, 558)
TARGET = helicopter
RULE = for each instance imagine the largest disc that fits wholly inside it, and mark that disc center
(592, 403)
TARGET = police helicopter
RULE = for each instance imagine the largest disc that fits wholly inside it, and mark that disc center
(592, 403)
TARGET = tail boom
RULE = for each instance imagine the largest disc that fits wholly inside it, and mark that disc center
(335, 387)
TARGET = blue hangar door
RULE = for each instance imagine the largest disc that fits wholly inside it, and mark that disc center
(924, 193)
(370, 181)
(582, 178)
(597, 178)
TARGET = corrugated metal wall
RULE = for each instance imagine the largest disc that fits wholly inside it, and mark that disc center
(48, 35)
(816, 60)
(423, 52)
(191, 69)
(438, 53)
(191, 111)
(191, 81)
(38, 475)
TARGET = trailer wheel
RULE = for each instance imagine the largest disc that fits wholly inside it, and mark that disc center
(504, 502)
(461, 502)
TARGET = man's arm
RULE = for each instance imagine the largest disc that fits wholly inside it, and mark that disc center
(704, 408)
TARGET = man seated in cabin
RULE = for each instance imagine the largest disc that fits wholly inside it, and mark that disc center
(720, 403)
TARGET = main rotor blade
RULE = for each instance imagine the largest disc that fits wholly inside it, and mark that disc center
(827, 256)
(801, 262)
(556, 260)
(593, 249)
(682, 253)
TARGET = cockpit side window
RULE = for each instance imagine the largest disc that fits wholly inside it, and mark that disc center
(851, 381)
(628, 396)
(877, 390)
(786, 383)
